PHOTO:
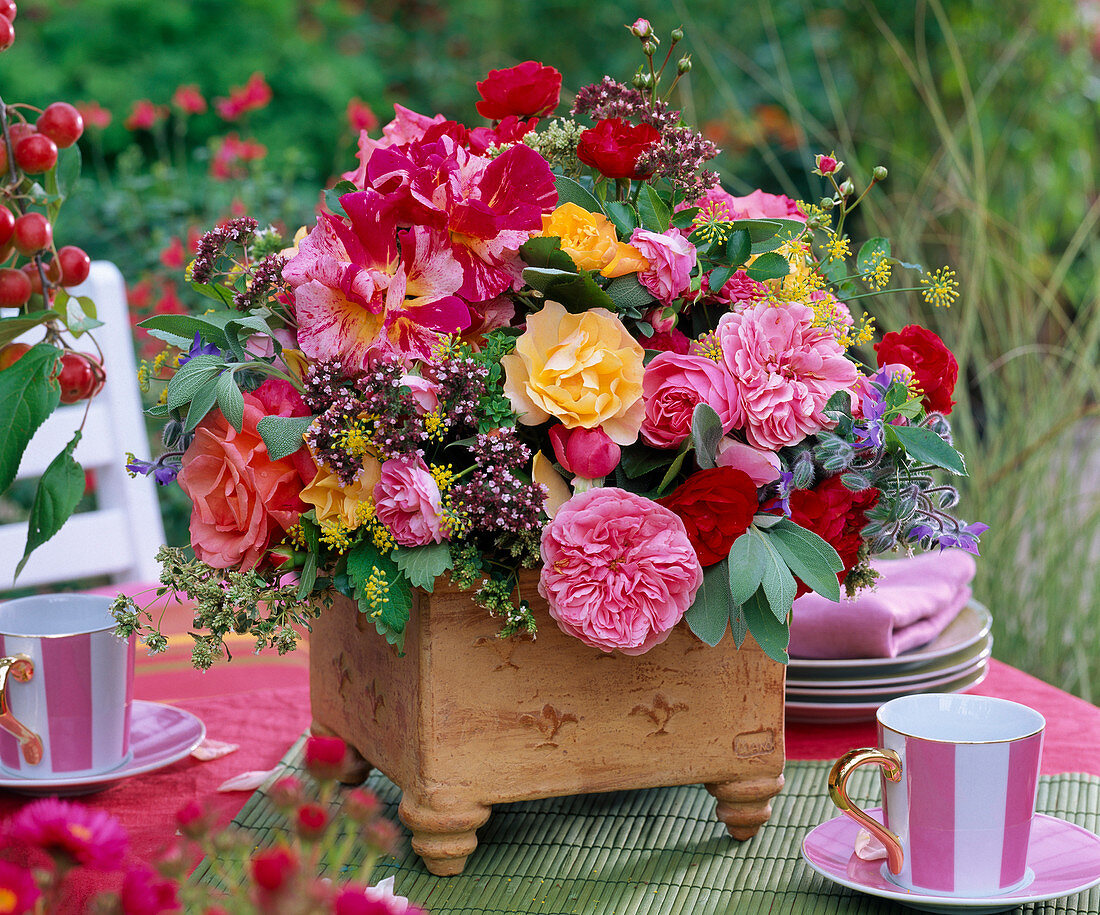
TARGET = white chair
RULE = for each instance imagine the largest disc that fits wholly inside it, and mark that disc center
(121, 536)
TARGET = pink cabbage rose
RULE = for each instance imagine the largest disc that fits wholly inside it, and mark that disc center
(618, 570)
(425, 393)
(673, 385)
(408, 502)
(671, 259)
(762, 466)
(784, 370)
(242, 501)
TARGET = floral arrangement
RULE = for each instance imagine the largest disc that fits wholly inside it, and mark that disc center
(39, 165)
(540, 344)
(49, 842)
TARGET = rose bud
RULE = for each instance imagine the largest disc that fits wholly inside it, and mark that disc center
(286, 792)
(827, 165)
(310, 821)
(362, 805)
(324, 757)
(587, 453)
(641, 28)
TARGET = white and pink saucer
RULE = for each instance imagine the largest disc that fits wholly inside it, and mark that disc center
(159, 736)
(1064, 859)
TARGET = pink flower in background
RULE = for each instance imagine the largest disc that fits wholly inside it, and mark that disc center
(360, 116)
(189, 99)
(671, 259)
(253, 95)
(408, 502)
(784, 370)
(406, 127)
(146, 893)
(673, 385)
(84, 835)
(173, 257)
(757, 205)
(144, 115)
(668, 341)
(231, 153)
(94, 114)
(618, 570)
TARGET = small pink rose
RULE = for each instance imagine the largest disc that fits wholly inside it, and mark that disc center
(671, 259)
(407, 500)
(425, 394)
(660, 321)
(673, 385)
(587, 453)
(641, 28)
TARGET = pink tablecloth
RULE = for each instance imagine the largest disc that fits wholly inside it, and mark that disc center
(266, 721)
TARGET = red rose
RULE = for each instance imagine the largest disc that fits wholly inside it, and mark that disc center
(931, 361)
(836, 515)
(613, 147)
(526, 90)
(716, 507)
(324, 757)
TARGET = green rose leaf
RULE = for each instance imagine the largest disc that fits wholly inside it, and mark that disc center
(28, 394)
(709, 613)
(211, 327)
(924, 445)
(283, 434)
(653, 210)
(624, 217)
(719, 276)
(334, 193)
(771, 634)
(59, 491)
(569, 191)
(422, 565)
(809, 557)
(770, 266)
(545, 251)
(683, 219)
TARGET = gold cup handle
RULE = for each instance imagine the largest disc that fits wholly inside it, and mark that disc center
(21, 668)
(838, 794)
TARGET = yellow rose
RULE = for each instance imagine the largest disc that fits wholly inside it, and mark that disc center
(584, 370)
(590, 239)
(335, 500)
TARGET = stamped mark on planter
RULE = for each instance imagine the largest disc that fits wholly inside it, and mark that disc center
(548, 723)
(754, 743)
(375, 700)
(659, 713)
(503, 648)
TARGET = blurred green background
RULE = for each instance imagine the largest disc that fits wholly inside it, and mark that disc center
(987, 116)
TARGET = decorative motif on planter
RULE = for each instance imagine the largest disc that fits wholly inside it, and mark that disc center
(504, 649)
(343, 678)
(375, 700)
(548, 723)
(660, 713)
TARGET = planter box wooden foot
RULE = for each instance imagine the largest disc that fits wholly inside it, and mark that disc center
(465, 720)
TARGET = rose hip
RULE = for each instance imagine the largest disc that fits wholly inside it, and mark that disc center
(7, 33)
(30, 270)
(31, 233)
(36, 154)
(18, 130)
(15, 289)
(7, 10)
(7, 221)
(75, 265)
(62, 123)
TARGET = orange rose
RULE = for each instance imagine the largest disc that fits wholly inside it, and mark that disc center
(590, 239)
(241, 500)
(335, 501)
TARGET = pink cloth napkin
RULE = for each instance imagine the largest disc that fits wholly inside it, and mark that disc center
(913, 602)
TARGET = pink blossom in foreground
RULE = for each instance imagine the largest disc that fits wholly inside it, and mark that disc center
(90, 837)
(618, 570)
(671, 259)
(673, 386)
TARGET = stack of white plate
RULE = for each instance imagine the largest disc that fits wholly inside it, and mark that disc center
(852, 689)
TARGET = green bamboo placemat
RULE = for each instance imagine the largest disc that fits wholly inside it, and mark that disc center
(653, 852)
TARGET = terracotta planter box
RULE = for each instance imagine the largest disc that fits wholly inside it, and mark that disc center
(464, 720)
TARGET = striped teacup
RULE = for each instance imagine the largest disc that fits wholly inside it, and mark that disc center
(959, 775)
(66, 686)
